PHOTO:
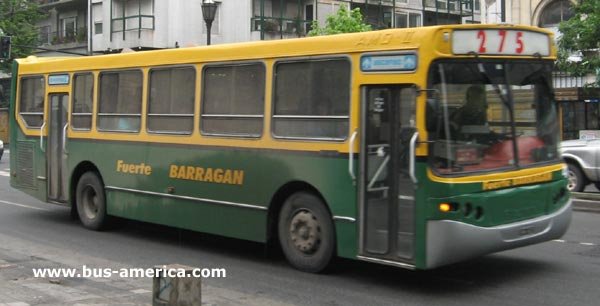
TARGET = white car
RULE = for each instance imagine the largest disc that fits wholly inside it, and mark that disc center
(583, 159)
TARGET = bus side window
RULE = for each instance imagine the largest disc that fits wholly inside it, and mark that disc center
(120, 101)
(32, 101)
(233, 100)
(171, 100)
(312, 99)
(81, 113)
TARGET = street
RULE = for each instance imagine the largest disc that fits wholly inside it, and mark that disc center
(39, 235)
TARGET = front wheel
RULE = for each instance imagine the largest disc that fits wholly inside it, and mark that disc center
(91, 202)
(306, 232)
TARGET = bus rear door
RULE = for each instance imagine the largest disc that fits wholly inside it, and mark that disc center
(56, 150)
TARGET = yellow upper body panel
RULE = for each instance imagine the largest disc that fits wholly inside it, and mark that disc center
(433, 40)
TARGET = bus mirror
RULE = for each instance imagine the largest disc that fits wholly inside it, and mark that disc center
(431, 115)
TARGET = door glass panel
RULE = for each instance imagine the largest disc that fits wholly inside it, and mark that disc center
(388, 203)
(378, 145)
(57, 159)
(405, 198)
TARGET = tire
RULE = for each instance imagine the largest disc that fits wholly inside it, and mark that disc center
(597, 184)
(577, 180)
(306, 232)
(91, 202)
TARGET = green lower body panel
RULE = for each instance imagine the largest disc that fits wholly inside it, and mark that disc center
(196, 215)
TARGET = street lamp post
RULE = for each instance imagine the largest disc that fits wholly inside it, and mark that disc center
(209, 10)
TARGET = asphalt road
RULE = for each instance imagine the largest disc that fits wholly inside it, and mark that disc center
(35, 234)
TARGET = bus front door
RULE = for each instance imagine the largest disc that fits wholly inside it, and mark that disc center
(56, 149)
(386, 188)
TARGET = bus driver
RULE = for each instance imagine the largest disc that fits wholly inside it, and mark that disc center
(474, 111)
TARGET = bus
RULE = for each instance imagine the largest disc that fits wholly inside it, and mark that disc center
(337, 146)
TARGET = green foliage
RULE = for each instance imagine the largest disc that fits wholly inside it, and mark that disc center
(344, 21)
(18, 19)
(581, 33)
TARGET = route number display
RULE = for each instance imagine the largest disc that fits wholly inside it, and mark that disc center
(500, 42)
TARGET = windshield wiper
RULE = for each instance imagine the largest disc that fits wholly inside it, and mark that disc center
(486, 76)
(507, 100)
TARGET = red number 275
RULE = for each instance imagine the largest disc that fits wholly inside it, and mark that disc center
(482, 37)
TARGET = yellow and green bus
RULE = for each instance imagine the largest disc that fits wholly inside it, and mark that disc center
(347, 145)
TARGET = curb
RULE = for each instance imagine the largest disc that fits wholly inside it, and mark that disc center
(586, 201)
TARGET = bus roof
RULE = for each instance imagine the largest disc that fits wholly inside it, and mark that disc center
(383, 40)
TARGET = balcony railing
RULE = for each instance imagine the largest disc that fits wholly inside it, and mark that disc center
(63, 37)
(275, 27)
(562, 79)
(42, 2)
(464, 7)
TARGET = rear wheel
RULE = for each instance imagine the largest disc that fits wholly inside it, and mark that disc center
(91, 202)
(576, 179)
(306, 232)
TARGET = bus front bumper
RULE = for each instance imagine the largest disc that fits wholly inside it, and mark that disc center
(450, 241)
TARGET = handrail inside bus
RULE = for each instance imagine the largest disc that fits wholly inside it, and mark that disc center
(64, 138)
(378, 173)
(42, 137)
(351, 156)
(411, 163)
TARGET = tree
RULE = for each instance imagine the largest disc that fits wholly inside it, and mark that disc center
(344, 21)
(581, 34)
(18, 19)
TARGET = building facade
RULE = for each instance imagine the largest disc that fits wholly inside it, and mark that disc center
(104, 26)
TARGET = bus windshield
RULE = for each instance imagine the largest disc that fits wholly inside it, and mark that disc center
(491, 115)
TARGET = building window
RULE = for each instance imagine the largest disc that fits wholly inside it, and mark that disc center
(414, 20)
(98, 28)
(132, 15)
(233, 100)
(81, 114)
(45, 36)
(555, 13)
(31, 106)
(120, 101)
(468, 5)
(97, 14)
(312, 99)
(171, 100)
(379, 16)
(408, 20)
(68, 27)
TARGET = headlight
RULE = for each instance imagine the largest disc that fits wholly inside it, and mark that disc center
(1, 144)
(565, 170)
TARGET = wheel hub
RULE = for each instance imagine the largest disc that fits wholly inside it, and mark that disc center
(90, 202)
(305, 232)
(572, 180)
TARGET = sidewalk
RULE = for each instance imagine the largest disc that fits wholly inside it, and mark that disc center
(18, 287)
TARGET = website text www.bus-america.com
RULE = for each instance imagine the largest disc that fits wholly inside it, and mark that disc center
(162, 271)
